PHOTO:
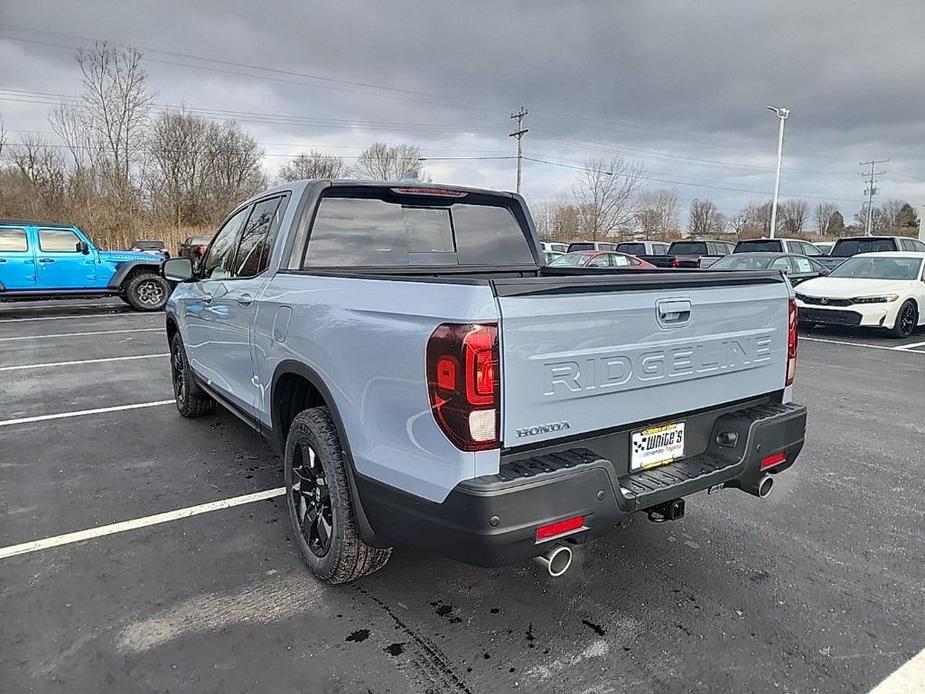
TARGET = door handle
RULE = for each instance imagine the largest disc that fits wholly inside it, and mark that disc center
(46, 260)
(2, 260)
(245, 299)
(673, 311)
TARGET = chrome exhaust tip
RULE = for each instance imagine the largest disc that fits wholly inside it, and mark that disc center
(765, 485)
(556, 560)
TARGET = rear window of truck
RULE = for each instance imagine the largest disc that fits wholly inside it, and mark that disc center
(849, 247)
(759, 246)
(364, 231)
(688, 248)
(633, 248)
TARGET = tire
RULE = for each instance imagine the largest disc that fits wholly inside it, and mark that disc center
(146, 291)
(319, 502)
(191, 399)
(907, 318)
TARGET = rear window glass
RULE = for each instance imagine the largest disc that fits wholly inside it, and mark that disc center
(742, 262)
(580, 246)
(689, 248)
(758, 246)
(13, 241)
(632, 248)
(848, 247)
(373, 232)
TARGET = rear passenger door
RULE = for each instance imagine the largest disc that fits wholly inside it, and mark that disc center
(60, 264)
(17, 259)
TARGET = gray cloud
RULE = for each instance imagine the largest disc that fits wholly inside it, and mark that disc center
(680, 85)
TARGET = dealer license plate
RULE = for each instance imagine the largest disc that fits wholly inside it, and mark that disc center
(657, 445)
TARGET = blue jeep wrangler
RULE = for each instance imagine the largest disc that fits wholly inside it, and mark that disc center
(39, 260)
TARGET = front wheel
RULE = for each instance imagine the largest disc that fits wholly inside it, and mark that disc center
(320, 507)
(907, 318)
(191, 400)
(147, 292)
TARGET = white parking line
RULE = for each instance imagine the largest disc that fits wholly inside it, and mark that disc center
(144, 522)
(903, 348)
(908, 679)
(94, 332)
(852, 344)
(50, 364)
(76, 317)
(81, 413)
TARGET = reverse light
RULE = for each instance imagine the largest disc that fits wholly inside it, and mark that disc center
(791, 341)
(464, 384)
(559, 528)
(773, 459)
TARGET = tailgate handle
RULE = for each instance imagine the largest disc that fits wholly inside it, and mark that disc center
(673, 311)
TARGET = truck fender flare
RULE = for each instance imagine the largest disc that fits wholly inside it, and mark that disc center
(367, 532)
(125, 268)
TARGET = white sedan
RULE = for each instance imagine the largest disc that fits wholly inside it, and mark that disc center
(878, 290)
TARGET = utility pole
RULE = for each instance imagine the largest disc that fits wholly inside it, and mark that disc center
(922, 223)
(519, 133)
(871, 189)
(782, 114)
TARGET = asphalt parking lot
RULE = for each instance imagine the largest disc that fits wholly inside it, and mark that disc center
(819, 588)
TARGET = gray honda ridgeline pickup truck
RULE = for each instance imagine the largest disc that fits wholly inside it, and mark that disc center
(429, 381)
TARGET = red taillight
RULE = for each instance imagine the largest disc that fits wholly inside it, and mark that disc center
(675, 262)
(773, 459)
(202, 249)
(430, 192)
(791, 341)
(559, 528)
(464, 384)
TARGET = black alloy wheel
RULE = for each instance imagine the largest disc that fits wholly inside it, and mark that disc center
(311, 500)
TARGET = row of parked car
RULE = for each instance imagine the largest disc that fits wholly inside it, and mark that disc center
(864, 281)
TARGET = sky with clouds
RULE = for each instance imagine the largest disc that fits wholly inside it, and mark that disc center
(679, 86)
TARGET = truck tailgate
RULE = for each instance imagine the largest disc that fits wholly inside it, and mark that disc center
(582, 354)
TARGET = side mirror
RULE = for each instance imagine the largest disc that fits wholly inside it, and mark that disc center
(83, 247)
(824, 271)
(178, 269)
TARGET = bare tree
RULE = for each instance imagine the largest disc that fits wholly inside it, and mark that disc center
(705, 218)
(313, 165)
(2, 138)
(71, 122)
(738, 222)
(115, 102)
(382, 162)
(756, 220)
(823, 215)
(793, 214)
(658, 213)
(236, 173)
(44, 173)
(605, 195)
(889, 212)
(878, 223)
(180, 164)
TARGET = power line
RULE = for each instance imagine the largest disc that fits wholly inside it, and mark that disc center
(382, 90)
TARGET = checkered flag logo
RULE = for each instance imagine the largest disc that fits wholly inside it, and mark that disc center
(640, 445)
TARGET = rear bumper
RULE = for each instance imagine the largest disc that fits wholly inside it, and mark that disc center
(492, 520)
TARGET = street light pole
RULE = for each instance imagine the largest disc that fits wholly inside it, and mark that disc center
(782, 114)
